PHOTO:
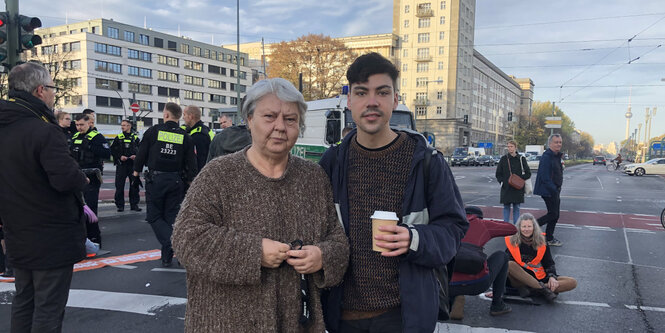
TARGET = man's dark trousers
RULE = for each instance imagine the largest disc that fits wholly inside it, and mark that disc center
(41, 297)
(164, 194)
(553, 204)
(122, 171)
(91, 196)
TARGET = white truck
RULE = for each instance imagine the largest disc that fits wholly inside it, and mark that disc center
(326, 118)
(535, 150)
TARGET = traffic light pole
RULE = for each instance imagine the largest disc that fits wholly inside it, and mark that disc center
(12, 32)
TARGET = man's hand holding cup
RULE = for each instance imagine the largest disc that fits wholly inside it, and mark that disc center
(387, 237)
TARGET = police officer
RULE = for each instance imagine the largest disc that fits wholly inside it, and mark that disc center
(168, 152)
(124, 149)
(90, 148)
(201, 134)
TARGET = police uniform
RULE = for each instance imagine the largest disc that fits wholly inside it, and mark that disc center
(90, 150)
(125, 144)
(168, 151)
(202, 136)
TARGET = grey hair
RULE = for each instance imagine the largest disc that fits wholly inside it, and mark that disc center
(549, 140)
(27, 77)
(538, 238)
(279, 87)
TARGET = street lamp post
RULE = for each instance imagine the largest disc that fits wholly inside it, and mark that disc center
(124, 110)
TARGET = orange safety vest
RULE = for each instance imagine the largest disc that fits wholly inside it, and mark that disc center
(535, 266)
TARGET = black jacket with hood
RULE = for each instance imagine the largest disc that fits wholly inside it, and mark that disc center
(40, 187)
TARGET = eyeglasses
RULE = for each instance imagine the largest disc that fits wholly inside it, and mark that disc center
(55, 89)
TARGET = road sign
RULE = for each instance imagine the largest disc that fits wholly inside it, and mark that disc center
(481, 145)
(135, 107)
(488, 145)
(552, 122)
(656, 146)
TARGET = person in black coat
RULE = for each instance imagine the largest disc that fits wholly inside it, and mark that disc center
(516, 164)
(42, 208)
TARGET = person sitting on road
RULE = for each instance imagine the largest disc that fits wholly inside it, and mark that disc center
(531, 268)
(494, 269)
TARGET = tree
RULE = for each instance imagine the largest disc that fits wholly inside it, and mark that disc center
(532, 131)
(321, 60)
(64, 67)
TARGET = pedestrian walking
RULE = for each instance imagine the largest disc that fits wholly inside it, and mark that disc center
(168, 152)
(201, 134)
(90, 149)
(376, 168)
(548, 185)
(124, 148)
(512, 163)
(42, 208)
(258, 231)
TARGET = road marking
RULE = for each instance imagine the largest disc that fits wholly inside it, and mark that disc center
(601, 184)
(646, 215)
(641, 231)
(124, 302)
(447, 327)
(609, 261)
(641, 219)
(655, 224)
(567, 226)
(586, 211)
(646, 308)
(608, 213)
(497, 206)
(601, 305)
(625, 237)
(618, 200)
(124, 266)
(598, 228)
(170, 270)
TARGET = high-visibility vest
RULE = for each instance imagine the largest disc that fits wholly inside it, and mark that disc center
(534, 265)
(198, 129)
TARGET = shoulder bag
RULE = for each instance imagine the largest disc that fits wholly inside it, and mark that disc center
(514, 180)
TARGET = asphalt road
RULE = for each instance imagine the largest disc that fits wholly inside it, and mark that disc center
(613, 246)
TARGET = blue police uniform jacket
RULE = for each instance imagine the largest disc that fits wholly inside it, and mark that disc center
(436, 221)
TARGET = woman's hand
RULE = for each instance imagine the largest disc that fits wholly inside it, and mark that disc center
(308, 260)
(553, 284)
(273, 253)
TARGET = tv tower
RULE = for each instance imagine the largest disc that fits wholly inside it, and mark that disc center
(628, 115)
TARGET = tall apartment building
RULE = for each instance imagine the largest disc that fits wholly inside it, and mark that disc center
(108, 64)
(526, 97)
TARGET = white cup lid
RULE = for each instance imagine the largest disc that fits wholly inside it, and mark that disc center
(382, 215)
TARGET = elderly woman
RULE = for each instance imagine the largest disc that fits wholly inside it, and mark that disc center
(531, 268)
(242, 217)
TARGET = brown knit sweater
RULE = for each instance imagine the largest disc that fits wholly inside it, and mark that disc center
(377, 179)
(217, 236)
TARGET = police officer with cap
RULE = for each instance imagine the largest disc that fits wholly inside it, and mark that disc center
(90, 148)
(124, 149)
(168, 151)
(201, 134)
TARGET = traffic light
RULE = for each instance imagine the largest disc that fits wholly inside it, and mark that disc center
(27, 39)
(510, 116)
(466, 118)
(3, 35)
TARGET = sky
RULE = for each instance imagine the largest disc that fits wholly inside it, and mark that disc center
(590, 57)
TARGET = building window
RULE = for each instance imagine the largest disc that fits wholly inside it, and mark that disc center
(421, 81)
(206, 53)
(108, 49)
(140, 55)
(167, 76)
(158, 42)
(139, 88)
(403, 82)
(196, 50)
(439, 80)
(406, 9)
(197, 66)
(110, 67)
(217, 98)
(421, 110)
(172, 46)
(440, 65)
(443, 5)
(144, 39)
(423, 52)
(440, 50)
(71, 32)
(442, 34)
(145, 105)
(194, 95)
(108, 84)
(73, 82)
(70, 47)
(49, 49)
(73, 100)
(405, 67)
(439, 95)
(84, 29)
(216, 84)
(234, 101)
(168, 92)
(111, 32)
(166, 60)
(72, 64)
(442, 20)
(107, 102)
(129, 36)
(216, 70)
(109, 119)
(406, 23)
(405, 53)
(423, 38)
(95, 30)
(439, 109)
(184, 48)
(423, 23)
(422, 67)
(193, 80)
(405, 38)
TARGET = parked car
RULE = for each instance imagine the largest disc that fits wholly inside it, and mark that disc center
(655, 166)
(533, 161)
(485, 160)
(599, 160)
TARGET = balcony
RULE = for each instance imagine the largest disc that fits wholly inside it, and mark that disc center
(424, 12)
(423, 58)
(420, 102)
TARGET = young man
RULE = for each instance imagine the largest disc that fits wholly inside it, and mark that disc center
(168, 152)
(378, 168)
(548, 186)
(41, 206)
(124, 149)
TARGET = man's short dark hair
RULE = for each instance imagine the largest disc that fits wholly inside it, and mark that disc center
(126, 121)
(88, 111)
(82, 116)
(369, 64)
(174, 109)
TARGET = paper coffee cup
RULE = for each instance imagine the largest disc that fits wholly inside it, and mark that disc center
(381, 218)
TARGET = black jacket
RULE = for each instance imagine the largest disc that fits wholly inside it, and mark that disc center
(230, 140)
(201, 136)
(40, 187)
(508, 193)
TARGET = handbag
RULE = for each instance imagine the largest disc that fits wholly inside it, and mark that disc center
(514, 180)
(470, 259)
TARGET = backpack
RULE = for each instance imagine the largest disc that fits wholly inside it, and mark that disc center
(443, 273)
